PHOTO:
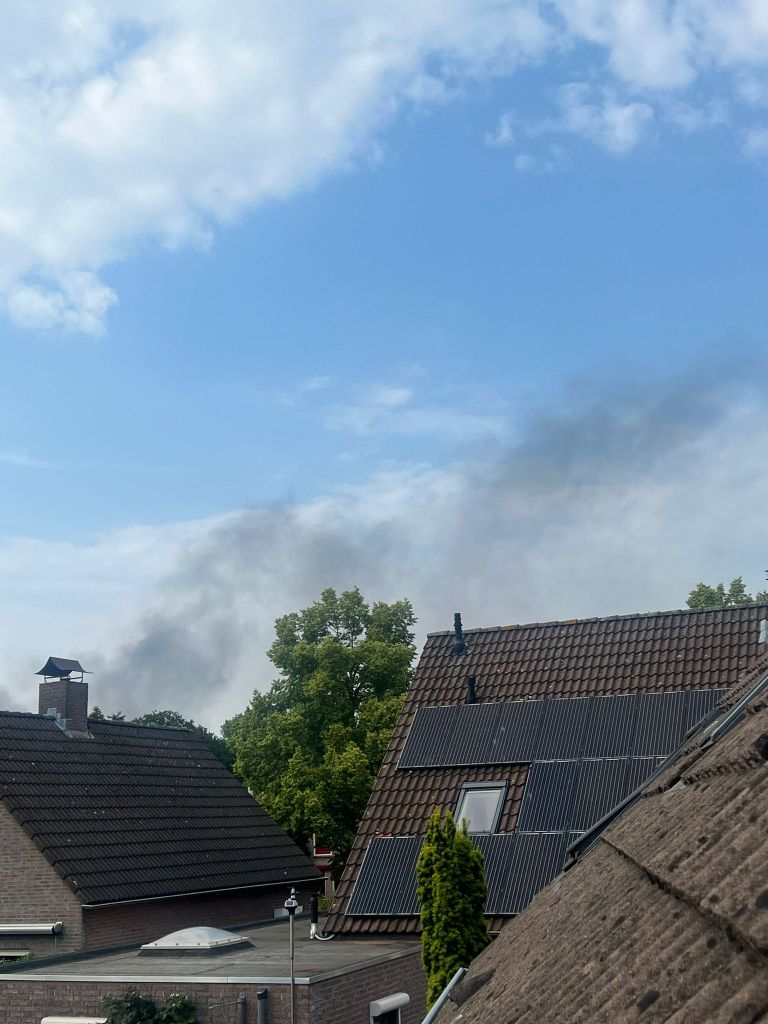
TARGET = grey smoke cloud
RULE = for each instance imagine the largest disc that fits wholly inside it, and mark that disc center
(618, 500)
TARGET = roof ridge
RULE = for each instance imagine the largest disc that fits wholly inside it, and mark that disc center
(101, 721)
(601, 618)
(142, 725)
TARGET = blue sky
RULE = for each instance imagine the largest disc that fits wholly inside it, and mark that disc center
(228, 288)
(437, 268)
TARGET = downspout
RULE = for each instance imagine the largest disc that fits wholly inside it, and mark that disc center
(444, 996)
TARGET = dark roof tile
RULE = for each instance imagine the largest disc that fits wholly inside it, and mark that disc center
(136, 812)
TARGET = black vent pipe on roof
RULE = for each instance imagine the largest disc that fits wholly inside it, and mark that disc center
(471, 697)
(459, 647)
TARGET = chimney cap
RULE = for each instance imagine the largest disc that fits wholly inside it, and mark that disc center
(61, 668)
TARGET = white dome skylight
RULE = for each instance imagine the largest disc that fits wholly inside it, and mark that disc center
(196, 940)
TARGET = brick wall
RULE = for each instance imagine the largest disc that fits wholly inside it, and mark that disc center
(339, 1000)
(31, 891)
(27, 1002)
(70, 698)
(143, 922)
(345, 999)
(342, 999)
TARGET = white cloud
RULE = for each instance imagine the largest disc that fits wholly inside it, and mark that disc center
(59, 596)
(504, 133)
(126, 122)
(552, 159)
(390, 410)
(122, 122)
(756, 142)
(650, 43)
(753, 89)
(690, 118)
(622, 505)
(614, 126)
(311, 384)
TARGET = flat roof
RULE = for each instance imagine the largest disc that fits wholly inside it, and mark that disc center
(266, 962)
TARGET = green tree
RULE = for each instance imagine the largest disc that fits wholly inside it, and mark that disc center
(309, 749)
(704, 596)
(216, 744)
(450, 879)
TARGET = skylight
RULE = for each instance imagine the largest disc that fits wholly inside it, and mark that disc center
(198, 940)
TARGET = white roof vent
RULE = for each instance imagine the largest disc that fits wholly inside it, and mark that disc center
(198, 941)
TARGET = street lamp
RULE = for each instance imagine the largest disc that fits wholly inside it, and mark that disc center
(291, 906)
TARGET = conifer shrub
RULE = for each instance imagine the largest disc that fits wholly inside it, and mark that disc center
(450, 878)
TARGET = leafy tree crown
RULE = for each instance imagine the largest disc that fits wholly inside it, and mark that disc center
(705, 596)
(309, 749)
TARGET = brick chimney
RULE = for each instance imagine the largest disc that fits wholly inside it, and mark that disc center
(64, 694)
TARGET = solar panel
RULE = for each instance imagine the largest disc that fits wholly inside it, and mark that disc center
(586, 756)
(474, 743)
(517, 866)
(609, 727)
(517, 732)
(429, 739)
(386, 883)
(639, 769)
(520, 732)
(660, 723)
(548, 800)
(699, 705)
(600, 785)
(561, 734)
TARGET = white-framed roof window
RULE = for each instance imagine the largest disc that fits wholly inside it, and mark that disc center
(480, 805)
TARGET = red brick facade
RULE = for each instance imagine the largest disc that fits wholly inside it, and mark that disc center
(32, 892)
(339, 1000)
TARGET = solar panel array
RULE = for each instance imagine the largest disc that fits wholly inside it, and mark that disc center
(571, 796)
(523, 731)
(586, 755)
(517, 865)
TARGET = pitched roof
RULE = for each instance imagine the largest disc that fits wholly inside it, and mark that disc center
(654, 652)
(136, 812)
(665, 918)
(60, 667)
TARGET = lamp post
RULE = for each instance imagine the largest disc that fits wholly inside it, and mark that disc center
(291, 905)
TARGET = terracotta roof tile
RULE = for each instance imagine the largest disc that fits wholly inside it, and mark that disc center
(659, 651)
(665, 919)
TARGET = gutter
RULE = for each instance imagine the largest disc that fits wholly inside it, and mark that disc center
(201, 892)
